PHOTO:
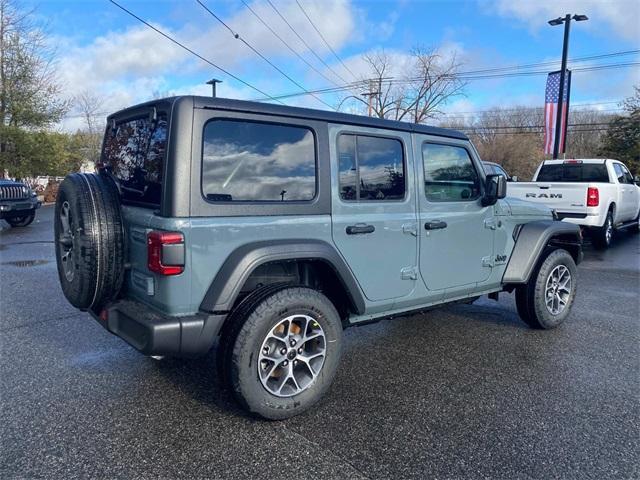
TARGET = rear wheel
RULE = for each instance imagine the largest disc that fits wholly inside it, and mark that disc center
(546, 300)
(22, 221)
(602, 236)
(282, 351)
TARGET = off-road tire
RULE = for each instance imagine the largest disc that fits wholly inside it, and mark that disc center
(22, 221)
(530, 298)
(242, 338)
(601, 239)
(98, 249)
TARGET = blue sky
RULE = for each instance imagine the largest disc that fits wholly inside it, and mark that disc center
(104, 51)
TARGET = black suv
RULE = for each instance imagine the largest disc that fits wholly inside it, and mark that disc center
(18, 203)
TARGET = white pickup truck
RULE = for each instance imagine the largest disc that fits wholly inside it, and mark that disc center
(598, 194)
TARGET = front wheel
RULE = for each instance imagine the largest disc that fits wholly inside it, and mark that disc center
(546, 300)
(22, 221)
(282, 351)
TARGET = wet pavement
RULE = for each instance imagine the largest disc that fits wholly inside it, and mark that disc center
(463, 392)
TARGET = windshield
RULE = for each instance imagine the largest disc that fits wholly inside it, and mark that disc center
(134, 155)
(574, 172)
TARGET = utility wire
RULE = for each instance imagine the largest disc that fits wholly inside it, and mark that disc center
(537, 132)
(469, 76)
(206, 60)
(305, 43)
(284, 74)
(521, 127)
(537, 108)
(529, 110)
(555, 62)
(310, 65)
(325, 40)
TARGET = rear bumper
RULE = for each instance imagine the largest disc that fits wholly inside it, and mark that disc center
(586, 220)
(153, 333)
(18, 208)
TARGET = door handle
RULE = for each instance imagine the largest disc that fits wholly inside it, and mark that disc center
(435, 225)
(360, 229)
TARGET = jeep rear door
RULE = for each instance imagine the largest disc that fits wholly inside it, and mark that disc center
(456, 232)
(373, 208)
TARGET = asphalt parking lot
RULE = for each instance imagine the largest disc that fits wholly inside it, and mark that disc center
(464, 392)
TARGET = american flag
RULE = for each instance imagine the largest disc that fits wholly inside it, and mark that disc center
(552, 94)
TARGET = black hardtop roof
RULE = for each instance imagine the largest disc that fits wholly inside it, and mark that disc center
(308, 113)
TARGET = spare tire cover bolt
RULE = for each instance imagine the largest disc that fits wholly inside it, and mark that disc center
(285, 363)
(283, 351)
(292, 342)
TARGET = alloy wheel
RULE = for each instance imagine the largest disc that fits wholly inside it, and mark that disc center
(558, 289)
(292, 355)
(66, 241)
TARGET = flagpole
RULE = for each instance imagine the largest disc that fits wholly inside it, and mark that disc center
(565, 49)
(563, 69)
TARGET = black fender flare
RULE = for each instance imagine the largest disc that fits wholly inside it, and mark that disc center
(531, 241)
(226, 285)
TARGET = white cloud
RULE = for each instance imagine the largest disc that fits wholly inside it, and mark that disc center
(128, 66)
(622, 16)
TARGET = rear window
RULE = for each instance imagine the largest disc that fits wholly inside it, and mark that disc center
(574, 172)
(134, 154)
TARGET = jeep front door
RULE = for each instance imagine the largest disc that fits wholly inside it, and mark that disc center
(456, 231)
(373, 209)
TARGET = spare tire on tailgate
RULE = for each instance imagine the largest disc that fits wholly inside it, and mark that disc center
(89, 240)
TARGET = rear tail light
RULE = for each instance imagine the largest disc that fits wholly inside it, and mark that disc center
(593, 197)
(165, 252)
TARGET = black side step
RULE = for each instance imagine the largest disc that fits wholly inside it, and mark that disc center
(633, 223)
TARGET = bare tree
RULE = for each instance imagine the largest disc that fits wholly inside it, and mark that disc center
(514, 137)
(90, 107)
(429, 81)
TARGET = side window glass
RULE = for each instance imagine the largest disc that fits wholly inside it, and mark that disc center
(347, 167)
(258, 162)
(627, 175)
(619, 173)
(370, 168)
(449, 174)
(381, 168)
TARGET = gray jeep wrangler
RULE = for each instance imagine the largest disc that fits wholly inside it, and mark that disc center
(270, 229)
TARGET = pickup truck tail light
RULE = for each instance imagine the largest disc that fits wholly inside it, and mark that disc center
(593, 197)
(165, 252)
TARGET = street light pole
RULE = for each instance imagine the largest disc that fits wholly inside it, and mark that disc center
(563, 70)
(213, 82)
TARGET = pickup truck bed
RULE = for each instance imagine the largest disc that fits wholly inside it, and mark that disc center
(585, 192)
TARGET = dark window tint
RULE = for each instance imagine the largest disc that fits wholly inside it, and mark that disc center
(574, 172)
(250, 161)
(449, 174)
(347, 167)
(370, 168)
(622, 173)
(134, 154)
(501, 171)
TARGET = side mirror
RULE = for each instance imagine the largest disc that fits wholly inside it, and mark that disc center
(495, 188)
(514, 178)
